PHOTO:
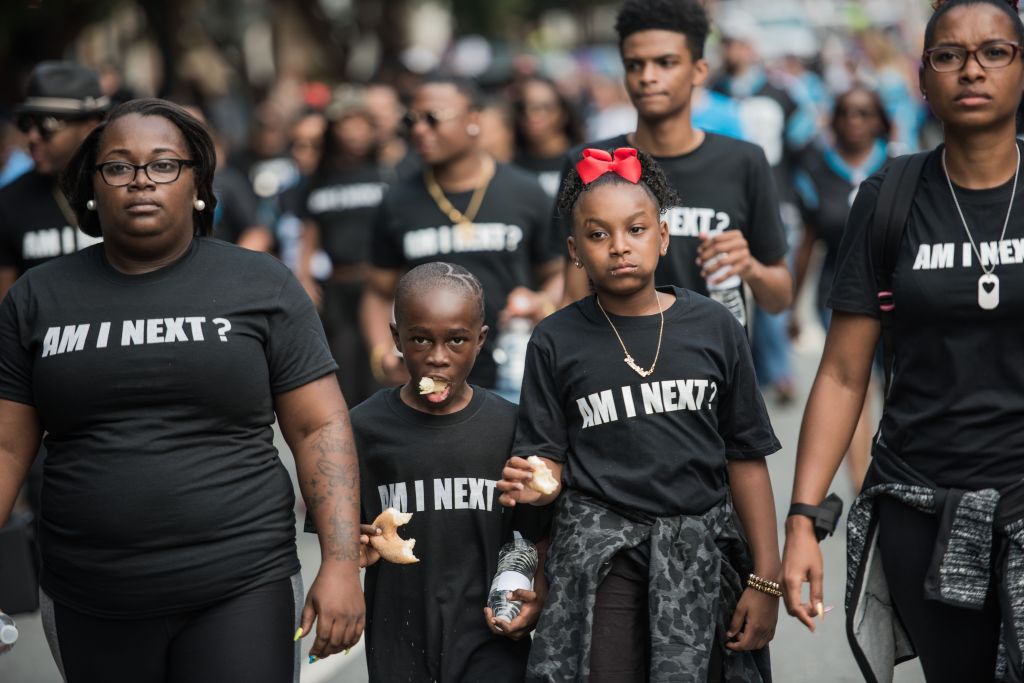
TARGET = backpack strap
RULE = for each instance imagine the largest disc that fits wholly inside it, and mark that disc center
(895, 197)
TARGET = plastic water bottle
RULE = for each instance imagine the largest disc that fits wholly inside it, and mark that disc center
(510, 356)
(517, 563)
(8, 633)
(729, 293)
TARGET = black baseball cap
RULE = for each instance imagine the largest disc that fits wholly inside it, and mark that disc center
(64, 89)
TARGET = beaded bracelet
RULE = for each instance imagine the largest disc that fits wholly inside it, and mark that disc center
(764, 585)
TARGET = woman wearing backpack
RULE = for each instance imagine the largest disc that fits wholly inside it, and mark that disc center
(936, 538)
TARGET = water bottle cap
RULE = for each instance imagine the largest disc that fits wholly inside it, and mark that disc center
(8, 634)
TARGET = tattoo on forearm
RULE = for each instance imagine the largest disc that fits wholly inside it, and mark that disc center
(335, 484)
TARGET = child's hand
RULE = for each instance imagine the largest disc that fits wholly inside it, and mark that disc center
(753, 623)
(368, 555)
(524, 622)
(514, 480)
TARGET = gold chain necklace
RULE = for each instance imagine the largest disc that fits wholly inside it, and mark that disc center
(463, 221)
(628, 360)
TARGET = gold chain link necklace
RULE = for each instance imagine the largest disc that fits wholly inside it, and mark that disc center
(628, 360)
(463, 222)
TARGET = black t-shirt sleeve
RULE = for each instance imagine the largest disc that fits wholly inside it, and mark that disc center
(743, 421)
(541, 429)
(853, 289)
(297, 351)
(8, 249)
(15, 357)
(765, 234)
(385, 249)
(546, 244)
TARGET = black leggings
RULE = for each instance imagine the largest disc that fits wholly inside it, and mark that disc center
(955, 644)
(245, 638)
(620, 641)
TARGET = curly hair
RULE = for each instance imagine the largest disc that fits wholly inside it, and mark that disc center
(438, 275)
(78, 177)
(681, 16)
(1010, 7)
(652, 179)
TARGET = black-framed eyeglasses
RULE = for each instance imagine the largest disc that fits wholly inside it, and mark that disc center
(47, 125)
(432, 118)
(996, 54)
(121, 173)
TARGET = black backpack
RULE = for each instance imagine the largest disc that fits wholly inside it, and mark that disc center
(892, 210)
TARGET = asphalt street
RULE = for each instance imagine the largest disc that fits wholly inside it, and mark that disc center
(797, 655)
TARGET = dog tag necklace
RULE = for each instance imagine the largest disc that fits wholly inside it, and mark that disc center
(988, 283)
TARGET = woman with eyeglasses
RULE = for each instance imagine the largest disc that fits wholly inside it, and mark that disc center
(464, 208)
(155, 364)
(935, 541)
(826, 183)
(337, 210)
(546, 128)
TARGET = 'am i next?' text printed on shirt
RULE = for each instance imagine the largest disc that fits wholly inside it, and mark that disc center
(63, 339)
(648, 398)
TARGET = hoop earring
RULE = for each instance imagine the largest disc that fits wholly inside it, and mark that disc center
(199, 204)
(91, 205)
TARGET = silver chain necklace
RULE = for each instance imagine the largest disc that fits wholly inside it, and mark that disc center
(988, 283)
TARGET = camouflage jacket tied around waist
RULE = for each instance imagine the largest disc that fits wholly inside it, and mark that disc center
(697, 569)
(959, 574)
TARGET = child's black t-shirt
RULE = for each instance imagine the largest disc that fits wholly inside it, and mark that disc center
(956, 405)
(163, 491)
(343, 204)
(425, 621)
(511, 235)
(657, 444)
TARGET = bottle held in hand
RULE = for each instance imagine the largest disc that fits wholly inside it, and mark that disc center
(517, 563)
(729, 293)
(8, 633)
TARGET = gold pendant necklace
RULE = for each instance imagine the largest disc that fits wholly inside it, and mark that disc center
(628, 360)
(462, 222)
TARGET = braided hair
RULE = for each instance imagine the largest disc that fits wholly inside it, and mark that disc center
(438, 275)
(652, 179)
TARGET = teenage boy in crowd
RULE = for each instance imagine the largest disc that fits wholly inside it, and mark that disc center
(728, 224)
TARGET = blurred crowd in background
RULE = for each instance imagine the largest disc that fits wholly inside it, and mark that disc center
(297, 90)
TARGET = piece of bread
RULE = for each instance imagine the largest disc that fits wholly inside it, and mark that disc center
(543, 481)
(429, 385)
(389, 544)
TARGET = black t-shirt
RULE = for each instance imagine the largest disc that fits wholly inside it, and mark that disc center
(548, 171)
(511, 235)
(238, 207)
(956, 403)
(163, 491)
(33, 229)
(724, 184)
(657, 444)
(825, 187)
(343, 203)
(425, 620)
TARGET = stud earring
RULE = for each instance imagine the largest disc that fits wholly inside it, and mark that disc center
(91, 205)
(578, 263)
(473, 129)
(199, 204)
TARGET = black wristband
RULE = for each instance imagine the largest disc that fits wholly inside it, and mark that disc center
(825, 516)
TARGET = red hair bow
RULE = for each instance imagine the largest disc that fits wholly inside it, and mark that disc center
(596, 162)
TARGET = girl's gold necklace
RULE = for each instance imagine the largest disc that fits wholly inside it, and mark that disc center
(628, 360)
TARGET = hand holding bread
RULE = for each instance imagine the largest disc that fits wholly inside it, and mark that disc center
(533, 480)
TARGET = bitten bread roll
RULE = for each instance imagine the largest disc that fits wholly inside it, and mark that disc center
(389, 544)
(429, 385)
(543, 481)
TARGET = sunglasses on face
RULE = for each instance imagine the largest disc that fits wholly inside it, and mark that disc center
(48, 126)
(433, 118)
(996, 54)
